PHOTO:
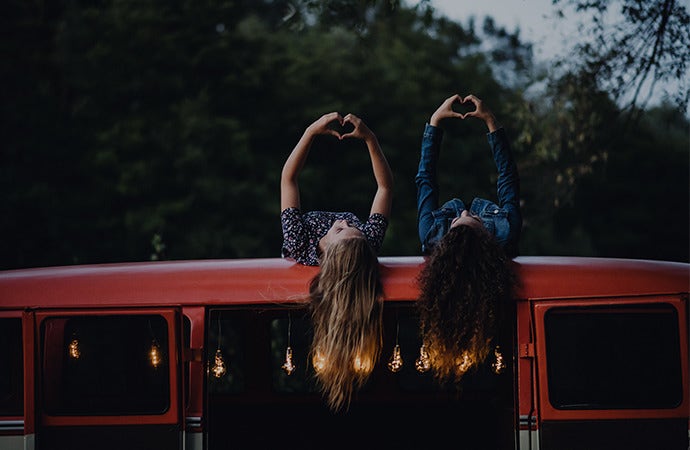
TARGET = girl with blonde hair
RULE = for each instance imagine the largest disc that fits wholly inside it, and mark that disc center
(346, 295)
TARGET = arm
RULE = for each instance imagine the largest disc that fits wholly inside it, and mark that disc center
(383, 198)
(508, 183)
(426, 178)
(289, 188)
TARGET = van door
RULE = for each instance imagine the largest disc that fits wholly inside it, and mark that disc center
(612, 373)
(108, 379)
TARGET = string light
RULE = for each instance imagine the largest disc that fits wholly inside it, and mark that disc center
(423, 362)
(465, 362)
(498, 365)
(318, 361)
(395, 362)
(74, 351)
(155, 354)
(362, 364)
(289, 365)
(219, 368)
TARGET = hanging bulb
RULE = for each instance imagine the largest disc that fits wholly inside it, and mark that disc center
(318, 361)
(155, 354)
(288, 366)
(219, 368)
(498, 365)
(74, 351)
(465, 362)
(362, 364)
(423, 363)
(395, 363)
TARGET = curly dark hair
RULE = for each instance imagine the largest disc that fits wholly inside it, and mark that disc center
(463, 285)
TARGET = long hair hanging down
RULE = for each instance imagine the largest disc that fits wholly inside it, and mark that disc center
(463, 285)
(346, 310)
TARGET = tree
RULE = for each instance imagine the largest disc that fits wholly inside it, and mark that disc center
(650, 45)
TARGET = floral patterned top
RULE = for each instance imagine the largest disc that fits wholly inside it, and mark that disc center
(302, 232)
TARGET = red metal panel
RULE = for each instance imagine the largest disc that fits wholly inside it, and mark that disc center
(255, 281)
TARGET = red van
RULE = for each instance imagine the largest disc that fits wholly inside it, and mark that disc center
(211, 355)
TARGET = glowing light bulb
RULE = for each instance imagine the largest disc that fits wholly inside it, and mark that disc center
(319, 362)
(288, 366)
(74, 351)
(362, 364)
(395, 363)
(155, 356)
(498, 365)
(423, 363)
(219, 368)
(465, 362)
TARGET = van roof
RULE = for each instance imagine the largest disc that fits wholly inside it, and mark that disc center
(279, 281)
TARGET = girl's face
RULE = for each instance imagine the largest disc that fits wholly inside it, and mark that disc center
(466, 218)
(339, 230)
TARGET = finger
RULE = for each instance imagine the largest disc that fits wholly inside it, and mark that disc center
(471, 98)
(332, 133)
(332, 117)
(351, 118)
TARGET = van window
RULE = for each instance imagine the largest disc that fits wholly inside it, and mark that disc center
(11, 367)
(613, 357)
(105, 365)
(255, 389)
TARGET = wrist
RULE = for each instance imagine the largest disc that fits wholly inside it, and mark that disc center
(491, 123)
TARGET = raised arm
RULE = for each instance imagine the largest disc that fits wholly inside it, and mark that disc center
(289, 188)
(508, 182)
(383, 198)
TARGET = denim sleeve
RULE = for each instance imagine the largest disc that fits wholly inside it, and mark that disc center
(508, 183)
(426, 180)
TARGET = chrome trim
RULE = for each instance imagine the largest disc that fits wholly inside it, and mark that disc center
(11, 425)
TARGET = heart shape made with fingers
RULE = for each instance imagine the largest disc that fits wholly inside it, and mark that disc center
(339, 128)
(463, 107)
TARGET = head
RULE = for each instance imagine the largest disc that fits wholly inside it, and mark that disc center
(463, 285)
(340, 230)
(346, 312)
(468, 219)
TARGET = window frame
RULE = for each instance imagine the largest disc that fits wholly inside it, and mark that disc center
(549, 412)
(172, 415)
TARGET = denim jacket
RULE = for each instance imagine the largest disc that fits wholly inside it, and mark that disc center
(502, 220)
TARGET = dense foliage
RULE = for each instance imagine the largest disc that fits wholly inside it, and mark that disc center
(157, 129)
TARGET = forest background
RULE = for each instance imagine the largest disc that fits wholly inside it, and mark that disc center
(157, 129)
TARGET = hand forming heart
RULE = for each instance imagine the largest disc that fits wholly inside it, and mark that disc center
(464, 106)
(346, 127)
(446, 110)
(341, 127)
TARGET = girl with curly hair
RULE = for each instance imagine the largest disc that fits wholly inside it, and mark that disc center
(346, 294)
(467, 276)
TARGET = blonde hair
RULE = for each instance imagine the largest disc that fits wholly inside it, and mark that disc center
(346, 310)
